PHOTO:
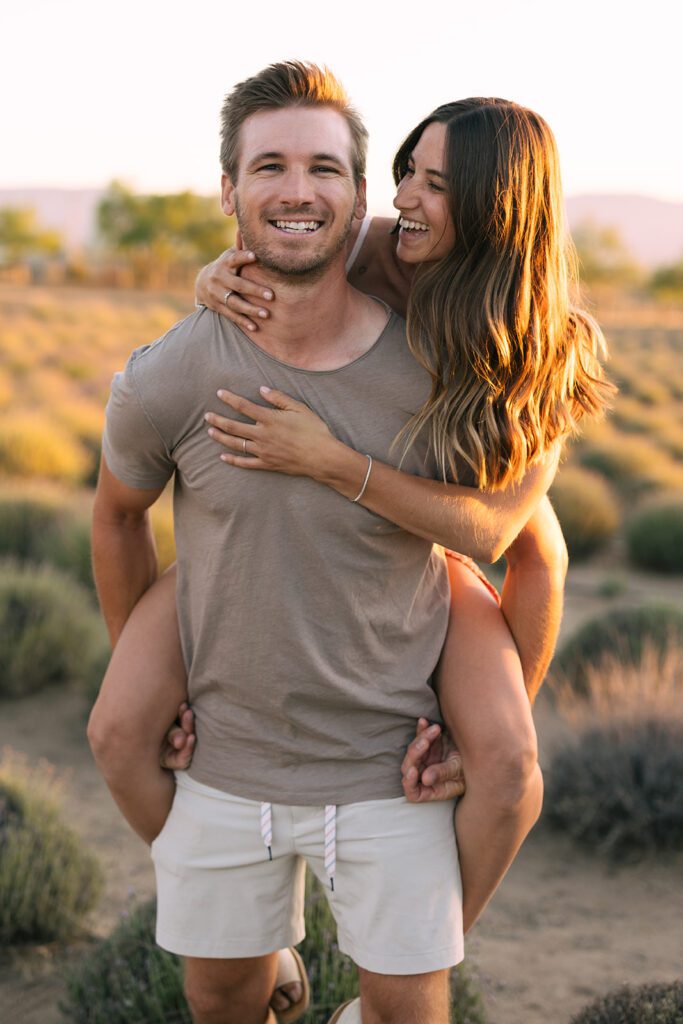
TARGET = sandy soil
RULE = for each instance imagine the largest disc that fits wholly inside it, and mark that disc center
(562, 928)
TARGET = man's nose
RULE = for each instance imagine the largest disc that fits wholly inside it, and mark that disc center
(296, 189)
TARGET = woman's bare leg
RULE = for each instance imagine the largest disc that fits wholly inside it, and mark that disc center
(143, 687)
(486, 708)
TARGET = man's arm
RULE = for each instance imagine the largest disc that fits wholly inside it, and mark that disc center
(123, 551)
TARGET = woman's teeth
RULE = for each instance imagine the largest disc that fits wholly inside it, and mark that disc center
(413, 225)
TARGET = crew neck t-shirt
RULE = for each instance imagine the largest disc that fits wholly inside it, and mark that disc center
(310, 626)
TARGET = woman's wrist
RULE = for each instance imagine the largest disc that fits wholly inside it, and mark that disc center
(342, 468)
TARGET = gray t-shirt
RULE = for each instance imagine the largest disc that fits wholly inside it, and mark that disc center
(310, 626)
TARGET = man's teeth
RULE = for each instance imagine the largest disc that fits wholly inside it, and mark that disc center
(297, 225)
(413, 225)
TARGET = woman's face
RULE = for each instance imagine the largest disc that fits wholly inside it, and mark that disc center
(427, 231)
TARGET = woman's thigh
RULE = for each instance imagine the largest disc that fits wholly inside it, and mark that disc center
(479, 678)
(146, 678)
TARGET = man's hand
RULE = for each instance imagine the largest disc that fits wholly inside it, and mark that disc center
(432, 768)
(178, 747)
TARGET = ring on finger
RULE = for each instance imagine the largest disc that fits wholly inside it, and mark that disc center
(244, 446)
(227, 296)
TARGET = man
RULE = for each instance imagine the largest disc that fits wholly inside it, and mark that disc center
(305, 674)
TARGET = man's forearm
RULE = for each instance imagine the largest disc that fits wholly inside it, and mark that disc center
(124, 565)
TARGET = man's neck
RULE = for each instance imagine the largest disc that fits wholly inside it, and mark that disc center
(319, 323)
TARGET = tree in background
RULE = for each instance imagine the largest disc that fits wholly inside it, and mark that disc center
(667, 282)
(604, 256)
(22, 237)
(156, 232)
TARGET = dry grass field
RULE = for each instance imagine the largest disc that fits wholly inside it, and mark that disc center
(565, 925)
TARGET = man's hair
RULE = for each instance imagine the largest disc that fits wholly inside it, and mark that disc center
(291, 83)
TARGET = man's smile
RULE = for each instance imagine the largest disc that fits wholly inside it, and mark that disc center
(296, 227)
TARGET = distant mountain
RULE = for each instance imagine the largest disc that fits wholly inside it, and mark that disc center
(651, 228)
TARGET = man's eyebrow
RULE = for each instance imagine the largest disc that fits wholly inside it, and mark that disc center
(275, 155)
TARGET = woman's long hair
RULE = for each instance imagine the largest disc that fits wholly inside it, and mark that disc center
(513, 365)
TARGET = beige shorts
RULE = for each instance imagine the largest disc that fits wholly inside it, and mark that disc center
(397, 896)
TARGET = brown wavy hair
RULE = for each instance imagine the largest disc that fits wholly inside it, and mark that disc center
(514, 365)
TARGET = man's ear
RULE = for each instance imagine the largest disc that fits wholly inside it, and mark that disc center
(361, 200)
(227, 196)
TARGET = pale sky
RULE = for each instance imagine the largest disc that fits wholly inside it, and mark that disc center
(93, 91)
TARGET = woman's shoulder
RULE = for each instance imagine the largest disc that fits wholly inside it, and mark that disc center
(376, 269)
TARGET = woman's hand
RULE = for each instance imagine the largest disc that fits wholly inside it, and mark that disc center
(178, 747)
(432, 768)
(220, 281)
(289, 438)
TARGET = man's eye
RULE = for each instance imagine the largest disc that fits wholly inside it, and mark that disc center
(322, 169)
(269, 167)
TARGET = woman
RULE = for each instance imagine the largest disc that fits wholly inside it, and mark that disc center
(513, 370)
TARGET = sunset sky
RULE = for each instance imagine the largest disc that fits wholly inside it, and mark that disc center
(93, 91)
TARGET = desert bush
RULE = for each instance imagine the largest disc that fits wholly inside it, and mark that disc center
(619, 633)
(49, 631)
(655, 536)
(162, 528)
(32, 445)
(48, 881)
(661, 1003)
(587, 510)
(129, 980)
(632, 466)
(616, 786)
(41, 527)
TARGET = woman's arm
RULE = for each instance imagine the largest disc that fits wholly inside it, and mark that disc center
(292, 439)
(377, 270)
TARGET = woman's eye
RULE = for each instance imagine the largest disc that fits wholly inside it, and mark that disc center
(436, 188)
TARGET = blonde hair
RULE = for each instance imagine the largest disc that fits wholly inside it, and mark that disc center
(291, 83)
(514, 366)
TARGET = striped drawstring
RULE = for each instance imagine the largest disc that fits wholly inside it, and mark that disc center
(267, 828)
(330, 837)
(331, 843)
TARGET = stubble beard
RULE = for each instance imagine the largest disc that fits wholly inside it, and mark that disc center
(293, 268)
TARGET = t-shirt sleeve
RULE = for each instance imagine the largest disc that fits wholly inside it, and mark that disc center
(132, 445)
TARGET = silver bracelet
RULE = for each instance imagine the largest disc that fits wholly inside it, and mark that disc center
(365, 482)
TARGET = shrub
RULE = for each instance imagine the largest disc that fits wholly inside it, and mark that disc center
(129, 980)
(48, 882)
(35, 446)
(655, 537)
(634, 466)
(49, 631)
(617, 785)
(620, 632)
(43, 527)
(587, 510)
(661, 1003)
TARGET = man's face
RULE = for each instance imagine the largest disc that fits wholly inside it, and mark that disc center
(295, 195)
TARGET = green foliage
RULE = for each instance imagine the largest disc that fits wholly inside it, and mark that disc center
(21, 235)
(129, 980)
(49, 631)
(617, 788)
(661, 1003)
(603, 256)
(587, 510)
(667, 282)
(162, 229)
(48, 881)
(655, 537)
(38, 527)
(620, 633)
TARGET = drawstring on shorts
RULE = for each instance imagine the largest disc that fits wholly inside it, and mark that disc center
(330, 837)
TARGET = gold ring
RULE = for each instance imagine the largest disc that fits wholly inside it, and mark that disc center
(244, 446)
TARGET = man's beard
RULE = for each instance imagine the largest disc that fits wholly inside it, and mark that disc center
(291, 266)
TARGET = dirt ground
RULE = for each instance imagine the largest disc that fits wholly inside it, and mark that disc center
(563, 927)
